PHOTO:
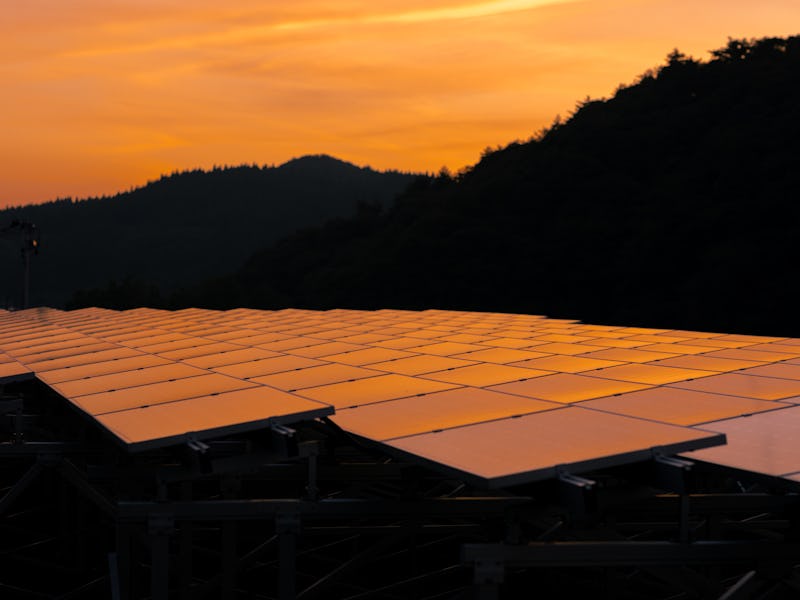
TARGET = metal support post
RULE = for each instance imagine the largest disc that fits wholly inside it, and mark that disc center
(287, 527)
(121, 565)
(489, 573)
(159, 528)
(113, 576)
(672, 474)
(311, 450)
(230, 489)
(683, 535)
(313, 490)
(185, 553)
(229, 560)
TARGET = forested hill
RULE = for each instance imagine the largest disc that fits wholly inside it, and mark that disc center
(185, 227)
(675, 203)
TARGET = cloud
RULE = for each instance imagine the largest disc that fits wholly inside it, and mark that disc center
(467, 11)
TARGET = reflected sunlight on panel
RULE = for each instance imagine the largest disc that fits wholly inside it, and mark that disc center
(417, 384)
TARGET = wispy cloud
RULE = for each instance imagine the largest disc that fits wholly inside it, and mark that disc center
(467, 11)
(271, 26)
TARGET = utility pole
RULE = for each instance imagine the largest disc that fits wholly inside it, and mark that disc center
(29, 245)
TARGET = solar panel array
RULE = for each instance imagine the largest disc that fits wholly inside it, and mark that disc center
(497, 398)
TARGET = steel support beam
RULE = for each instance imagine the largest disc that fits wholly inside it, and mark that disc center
(627, 553)
(220, 510)
(78, 479)
(741, 589)
(19, 487)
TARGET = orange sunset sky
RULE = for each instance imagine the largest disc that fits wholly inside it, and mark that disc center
(98, 96)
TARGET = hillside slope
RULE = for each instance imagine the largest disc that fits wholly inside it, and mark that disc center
(187, 226)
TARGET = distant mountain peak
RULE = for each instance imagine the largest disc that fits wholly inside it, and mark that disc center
(319, 161)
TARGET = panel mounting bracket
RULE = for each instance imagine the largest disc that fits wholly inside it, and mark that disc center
(577, 493)
(199, 454)
(284, 440)
(197, 446)
(565, 476)
(282, 430)
(672, 473)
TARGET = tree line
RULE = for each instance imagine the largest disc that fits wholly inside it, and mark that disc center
(672, 203)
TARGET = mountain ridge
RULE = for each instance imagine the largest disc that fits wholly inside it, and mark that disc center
(672, 204)
(188, 225)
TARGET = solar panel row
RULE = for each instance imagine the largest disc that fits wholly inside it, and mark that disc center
(433, 384)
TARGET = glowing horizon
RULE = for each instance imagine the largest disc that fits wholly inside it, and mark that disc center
(100, 97)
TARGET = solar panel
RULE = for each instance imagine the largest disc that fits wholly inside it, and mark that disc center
(32, 350)
(198, 350)
(314, 376)
(117, 365)
(776, 347)
(155, 339)
(627, 354)
(678, 348)
(501, 355)
(324, 349)
(746, 354)
(372, 389)
(535, 446)
(43, 340)
(561, 338)
(67, 352)
(157, 393)
(566, 364)
(749, 386)
(679, 407)
(484, 375)
(367, 356)
(611, 343)
(201, 418)
(434, 412)
(762, 443)
(719, 343)
(399, 343)
(289, 343)
(363, 338)
(267, 366)
(235, 355)
(649, 373)
(707, 363)
(408, 373)
(420, 364)
(424, 334)
(566, 388)
(446, 348)
(261, 339)
(14, 371)
(180, 344)
(136, 377)
(83, 358)
(779, 370)
(140, 334)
